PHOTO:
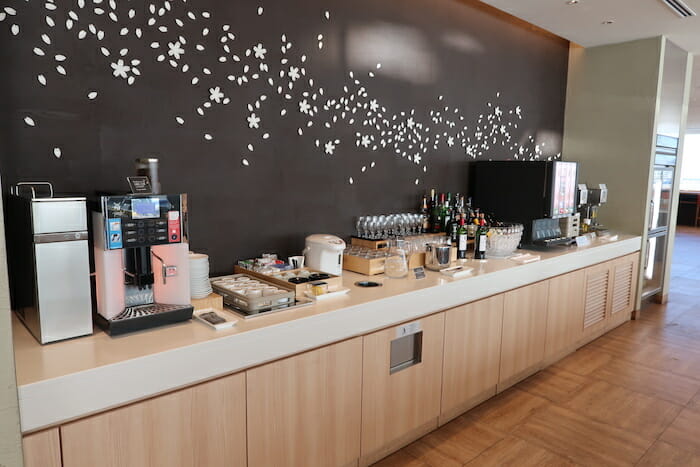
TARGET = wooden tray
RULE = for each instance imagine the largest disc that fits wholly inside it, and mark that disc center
(334, 282)
(372, 266)
(381, 244)
(371, 244)
(366, 266)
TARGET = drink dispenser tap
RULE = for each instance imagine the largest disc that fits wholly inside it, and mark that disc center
(166, 269)
(138, 270)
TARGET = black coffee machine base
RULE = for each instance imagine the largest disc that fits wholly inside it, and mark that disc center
(139, 318)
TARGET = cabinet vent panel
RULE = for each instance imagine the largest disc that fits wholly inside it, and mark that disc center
(596, 298)
(622, 288)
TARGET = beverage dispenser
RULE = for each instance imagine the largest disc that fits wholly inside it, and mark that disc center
(141, 261)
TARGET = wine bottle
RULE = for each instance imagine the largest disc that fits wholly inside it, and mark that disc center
(437, 214)
(445, 214)
(454, 228)
(425, 213)
(461, 239)
(431, 210)
(480, 239)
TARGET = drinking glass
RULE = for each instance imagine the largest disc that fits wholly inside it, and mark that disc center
(396, 263)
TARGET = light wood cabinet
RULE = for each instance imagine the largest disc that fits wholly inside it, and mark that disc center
(624, 289)
(42, 449)
(472, 355)
(524, 328)
(596, 301)
(564, 315)
(200, 425)
(400, 407)
(305, 410)
(359, 400)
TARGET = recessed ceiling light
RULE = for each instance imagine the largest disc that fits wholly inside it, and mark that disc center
(572, 2)
(608, 21)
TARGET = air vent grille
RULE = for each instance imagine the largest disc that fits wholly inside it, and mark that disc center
(596, 298)
(622, 287)
(679, 8)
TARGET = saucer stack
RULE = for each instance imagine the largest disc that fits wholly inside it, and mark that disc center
(200, 287)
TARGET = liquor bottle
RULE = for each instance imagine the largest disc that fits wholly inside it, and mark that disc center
(445, 214)
(437, 214)
(425, 213)
(454, 228)
(461, 239)
(431, 210)
(480, 239)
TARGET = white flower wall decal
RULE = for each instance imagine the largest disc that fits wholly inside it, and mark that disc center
(221, 61)
(294, 73)
(259, 51)
(175, 50)
(330, 147)
(216, 95)
(120, 69)
(253, 121)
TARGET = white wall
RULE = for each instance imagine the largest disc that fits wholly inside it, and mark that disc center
(619, 97)
(10, 440)
(609, 125)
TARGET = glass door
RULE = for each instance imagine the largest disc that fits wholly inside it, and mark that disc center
(654, 264)
(660, 204)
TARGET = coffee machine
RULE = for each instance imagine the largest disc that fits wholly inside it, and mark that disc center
(141, 261)
(590, 201)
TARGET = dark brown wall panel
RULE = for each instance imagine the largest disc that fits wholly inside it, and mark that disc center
(455, 82)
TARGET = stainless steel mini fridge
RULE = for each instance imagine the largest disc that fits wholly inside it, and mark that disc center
(48, 262)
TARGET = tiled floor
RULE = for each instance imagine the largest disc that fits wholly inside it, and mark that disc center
(631, 397)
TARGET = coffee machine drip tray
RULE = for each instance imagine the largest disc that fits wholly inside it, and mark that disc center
(138, 318)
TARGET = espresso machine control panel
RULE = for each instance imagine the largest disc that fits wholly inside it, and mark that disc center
(142, 220)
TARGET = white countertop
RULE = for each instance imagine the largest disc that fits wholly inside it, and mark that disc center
(69, 380)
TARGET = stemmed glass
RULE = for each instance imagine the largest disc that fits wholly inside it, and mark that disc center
(383, 224)
(373, 226)
(388, 225)
(359, 225)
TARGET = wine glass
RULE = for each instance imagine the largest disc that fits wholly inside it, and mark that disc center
(383, 223)
(359, 225)
(373, 227)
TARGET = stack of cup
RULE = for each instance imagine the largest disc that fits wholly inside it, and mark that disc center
(200, 287)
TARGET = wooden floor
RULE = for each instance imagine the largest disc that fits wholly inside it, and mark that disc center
(631, 397)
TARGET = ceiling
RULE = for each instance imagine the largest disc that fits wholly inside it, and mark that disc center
(582, 23)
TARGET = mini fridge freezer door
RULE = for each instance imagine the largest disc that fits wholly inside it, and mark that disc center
(50, 215)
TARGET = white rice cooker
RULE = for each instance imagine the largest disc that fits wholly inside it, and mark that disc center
(325, 253)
